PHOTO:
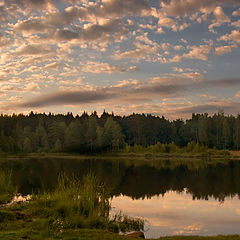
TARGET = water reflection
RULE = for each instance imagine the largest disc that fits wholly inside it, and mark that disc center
(203, 180)
(178, 214)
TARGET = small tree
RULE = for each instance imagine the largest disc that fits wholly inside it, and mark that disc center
(112, 135)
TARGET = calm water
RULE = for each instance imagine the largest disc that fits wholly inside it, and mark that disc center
(174, 198)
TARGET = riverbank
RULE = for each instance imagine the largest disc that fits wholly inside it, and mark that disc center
(145, 155)
(91, 234)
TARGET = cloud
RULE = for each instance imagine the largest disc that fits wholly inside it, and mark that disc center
(103, 67)
(166, 22)
(32, 86)
(233, 36)
(148, 26)
(53, 65)
(129, 92)
(2, 15)
(145, 52)
(177, 69)
(236, 13)
(178, 47)
(236, 24)
(227, 82)
(67, 98)
(220, 15)
(36, 4)
(33, 25)
(68, 15)
(195, 76)
(11, 88)
(224, 49)
(196, 52)
(184, 8)
(92, 32)
(227, 106)
(121, 8)
(60, 41)
(52, 21)
(237, 94)
(65, 34)
(67, 26)
(190, 229)
(33, 49)
(220, 18)
(4, 41)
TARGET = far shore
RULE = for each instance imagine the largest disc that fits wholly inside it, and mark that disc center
(226, 155)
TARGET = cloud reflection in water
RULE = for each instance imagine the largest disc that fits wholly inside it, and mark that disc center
(177, 214)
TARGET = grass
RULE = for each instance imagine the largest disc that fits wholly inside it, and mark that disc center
(7, 189)
(72, 206)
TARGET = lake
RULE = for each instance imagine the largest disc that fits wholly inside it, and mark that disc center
(175, 197)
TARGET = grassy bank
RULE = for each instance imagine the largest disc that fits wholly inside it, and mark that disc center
(72, 206)
(156, 151)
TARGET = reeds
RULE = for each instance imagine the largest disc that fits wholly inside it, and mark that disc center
(7, 189)
(80, 204)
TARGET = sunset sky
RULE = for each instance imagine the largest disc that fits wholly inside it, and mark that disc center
(164, 57)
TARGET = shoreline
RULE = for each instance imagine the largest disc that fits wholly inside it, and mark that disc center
(93, 234)
(230, 155)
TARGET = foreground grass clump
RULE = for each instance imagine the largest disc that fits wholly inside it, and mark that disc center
(76, 204)
(7, 189)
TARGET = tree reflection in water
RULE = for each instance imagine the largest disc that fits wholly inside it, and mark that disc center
(136, 179)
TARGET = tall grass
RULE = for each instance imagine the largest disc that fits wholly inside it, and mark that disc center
(80, 204)
(7, 189)
(88, 198)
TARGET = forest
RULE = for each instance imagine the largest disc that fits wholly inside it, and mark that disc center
(91, 133)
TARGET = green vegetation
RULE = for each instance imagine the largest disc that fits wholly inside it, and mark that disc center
(7, 189)
(73, 205)
(192, 149)
(90, 134)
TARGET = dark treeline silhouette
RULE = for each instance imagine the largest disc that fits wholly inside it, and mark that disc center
(90, 133)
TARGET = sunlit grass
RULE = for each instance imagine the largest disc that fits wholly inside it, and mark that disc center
(78, 204)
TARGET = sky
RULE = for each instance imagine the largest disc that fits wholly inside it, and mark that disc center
(161, 57)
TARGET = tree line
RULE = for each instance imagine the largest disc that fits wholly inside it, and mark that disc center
(88, 133)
